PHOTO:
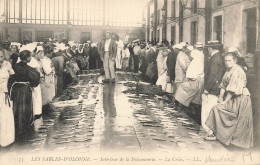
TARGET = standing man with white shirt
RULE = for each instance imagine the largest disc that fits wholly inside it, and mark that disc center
(120, 46)
(108, 50)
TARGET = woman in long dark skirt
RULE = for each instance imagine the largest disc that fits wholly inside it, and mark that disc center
(20, 85)
(93, 58)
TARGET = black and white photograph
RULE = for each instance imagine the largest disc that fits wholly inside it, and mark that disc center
(143, 82)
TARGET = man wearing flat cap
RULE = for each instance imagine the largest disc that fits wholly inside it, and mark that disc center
(108, 50)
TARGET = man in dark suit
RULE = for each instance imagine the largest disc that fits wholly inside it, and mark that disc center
(108, 51)
(215, 69)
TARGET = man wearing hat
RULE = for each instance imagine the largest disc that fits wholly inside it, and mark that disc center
(215, 68)
(214, 72)
(108, 50)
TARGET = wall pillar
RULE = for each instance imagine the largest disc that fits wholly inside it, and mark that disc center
(164, 35)
(208, 10)
(180, 21)
(148, 23)
(257, 52)
(20, 22)
(68, 19)
(155, 20)
(6, 20)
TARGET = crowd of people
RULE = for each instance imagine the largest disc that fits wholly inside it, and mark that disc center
(200, 76)
(31, 75)
(204, 78)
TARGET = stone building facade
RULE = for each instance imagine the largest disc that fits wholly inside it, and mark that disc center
(235, 23)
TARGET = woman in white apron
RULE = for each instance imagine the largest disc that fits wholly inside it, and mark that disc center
(36, 91)
(7, 130)
(163, 78)
(48, 83)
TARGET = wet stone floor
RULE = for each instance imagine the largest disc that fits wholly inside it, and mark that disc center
(91, 116)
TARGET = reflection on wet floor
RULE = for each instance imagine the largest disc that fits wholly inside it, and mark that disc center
(118, 132)
(108, 101)
(103, 118)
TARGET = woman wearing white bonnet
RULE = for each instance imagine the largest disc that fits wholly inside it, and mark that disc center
(240, 58)
(182, 63)
(35, 63)
(48, 82)
(7, 128)
(14, 53)
(191, 89)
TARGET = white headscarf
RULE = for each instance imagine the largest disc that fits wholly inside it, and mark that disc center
(177, 46)
(190, 48)
(39, 48)
(30, 47)
(183, 44)
(80, 51)
(235, 50)
(196, 66)
(94, 44)
(16, 44)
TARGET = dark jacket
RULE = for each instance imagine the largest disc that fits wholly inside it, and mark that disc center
(214, 72)
(171, 62)
(73, 54)
(112, 49)
(58, 63)
(131, 49)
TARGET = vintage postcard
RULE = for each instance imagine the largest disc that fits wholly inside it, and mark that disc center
(160, 82)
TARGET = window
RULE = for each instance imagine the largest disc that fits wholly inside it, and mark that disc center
(2, 11)
(194, 5)
(251, 31)
(12, 11)
(173, 9)
(78, 12)
(173, 34)
(217, 31)
(194, 33)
